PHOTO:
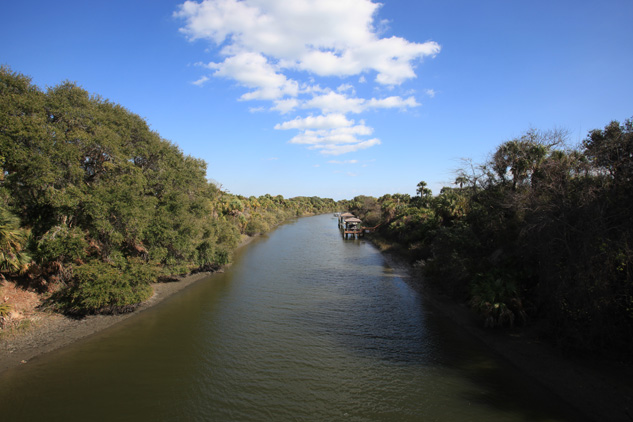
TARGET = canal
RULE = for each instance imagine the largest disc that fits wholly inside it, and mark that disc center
(305, 326)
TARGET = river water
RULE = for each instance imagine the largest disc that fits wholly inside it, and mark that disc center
(305, 326)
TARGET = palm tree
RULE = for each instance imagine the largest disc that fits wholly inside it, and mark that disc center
(12, 241)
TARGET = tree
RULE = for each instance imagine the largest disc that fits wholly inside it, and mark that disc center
(611, 150)
(13, 239)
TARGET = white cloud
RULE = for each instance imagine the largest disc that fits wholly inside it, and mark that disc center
(329, 121)
(279, 51)
(285, 106)
(392, 102)
(343, 162)
(252, 70)
(334, 102)
(346, 87)
(430, 92)
(201, 81)
(331, 137)
(323, 37)
(331, 134)
(344, 149)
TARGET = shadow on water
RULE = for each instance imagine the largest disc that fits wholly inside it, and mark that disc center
(396, 324)
(499, 384)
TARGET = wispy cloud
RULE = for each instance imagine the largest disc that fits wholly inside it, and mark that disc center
(343, 162)
(201, 81)
(276, 49)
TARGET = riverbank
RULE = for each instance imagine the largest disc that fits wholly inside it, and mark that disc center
(46, 331)
(600, 390)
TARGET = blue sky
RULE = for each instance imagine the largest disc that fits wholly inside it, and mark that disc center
(336, 98)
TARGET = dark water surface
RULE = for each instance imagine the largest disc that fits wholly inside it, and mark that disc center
(305, 326)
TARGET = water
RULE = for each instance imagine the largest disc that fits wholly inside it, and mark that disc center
(305, 326)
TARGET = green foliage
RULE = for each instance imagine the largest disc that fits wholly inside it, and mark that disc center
(257, 225)
(13, 239)
(495, 296)
(99, 287)
(100, 191)
(62, 244)
(5, 308)
(222, 256)
(539, 223)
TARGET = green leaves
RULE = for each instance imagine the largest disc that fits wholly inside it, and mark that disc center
(13, 239)
(99, 287)
(107, 197)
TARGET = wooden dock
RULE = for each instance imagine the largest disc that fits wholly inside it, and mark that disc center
(354, 233)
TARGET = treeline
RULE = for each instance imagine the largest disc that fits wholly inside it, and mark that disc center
(539, 234)
(95, 206)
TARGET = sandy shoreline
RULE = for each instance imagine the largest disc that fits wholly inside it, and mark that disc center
(600, 391)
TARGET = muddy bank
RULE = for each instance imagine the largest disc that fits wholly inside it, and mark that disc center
(48, 331)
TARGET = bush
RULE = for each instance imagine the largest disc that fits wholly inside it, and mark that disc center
(62, 243)
(496, 298)
(257, 225)
(222, 256)
(98, 287)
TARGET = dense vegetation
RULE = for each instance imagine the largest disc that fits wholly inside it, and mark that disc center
(95, 206)
(541, 233)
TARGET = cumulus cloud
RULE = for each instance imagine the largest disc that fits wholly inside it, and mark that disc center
(276, 49)
(252, 70)
(331, 134)
(324, 37)
(319, 122)
(285, 106)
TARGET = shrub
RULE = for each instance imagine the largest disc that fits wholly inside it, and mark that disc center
(5, 308)
(496, 298)
(257, 225)
(62, 243)
(98, 287)
(222, 256)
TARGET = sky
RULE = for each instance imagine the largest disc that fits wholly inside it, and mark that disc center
(336, 98)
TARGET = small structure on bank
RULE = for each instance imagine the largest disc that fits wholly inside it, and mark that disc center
(350, 225)
(342, 217)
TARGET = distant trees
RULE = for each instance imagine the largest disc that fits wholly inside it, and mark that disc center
(103, 205)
